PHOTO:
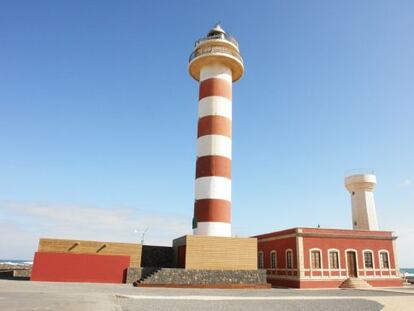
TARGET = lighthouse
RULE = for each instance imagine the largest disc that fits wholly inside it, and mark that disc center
(361, 187)
(215, 63)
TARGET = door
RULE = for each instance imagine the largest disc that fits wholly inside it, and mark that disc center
(181, 256)
(352, 269)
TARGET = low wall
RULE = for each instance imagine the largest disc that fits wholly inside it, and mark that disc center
(176, 276)
(64, 267)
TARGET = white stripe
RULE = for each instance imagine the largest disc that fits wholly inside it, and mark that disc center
(209, 297)
(214, 145)
(214, 106)
(213, 187)
(216, 71)
(213, 229)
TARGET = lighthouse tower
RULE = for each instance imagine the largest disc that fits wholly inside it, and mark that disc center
(216, 63)
(361, 187)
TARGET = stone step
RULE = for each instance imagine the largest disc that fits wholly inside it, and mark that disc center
(355, 283)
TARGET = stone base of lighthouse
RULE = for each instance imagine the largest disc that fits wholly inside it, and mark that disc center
(211, 262)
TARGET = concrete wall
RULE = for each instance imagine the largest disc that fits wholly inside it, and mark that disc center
(92, 247)
(66, 267)
(157, 256)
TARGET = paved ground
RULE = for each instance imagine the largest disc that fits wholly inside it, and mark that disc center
(24, 295)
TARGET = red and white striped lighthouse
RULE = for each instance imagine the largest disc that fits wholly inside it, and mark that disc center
(216, 63)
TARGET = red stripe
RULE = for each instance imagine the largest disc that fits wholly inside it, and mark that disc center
(214, 125)
(213, 166)
(206, 210)
(215, 87)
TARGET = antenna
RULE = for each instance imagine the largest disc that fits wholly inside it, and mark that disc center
(143, 235)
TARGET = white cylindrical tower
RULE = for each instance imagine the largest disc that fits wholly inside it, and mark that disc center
(216, 63)
(361, 187)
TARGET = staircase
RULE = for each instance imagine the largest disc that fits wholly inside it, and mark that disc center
(355, 283)
(147, 273)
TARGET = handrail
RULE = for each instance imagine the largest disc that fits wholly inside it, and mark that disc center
(359, 171)
(214, 50)
(223, 36)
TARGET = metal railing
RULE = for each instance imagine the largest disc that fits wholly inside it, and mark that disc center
(214, 50)
(222, 36)
(357, 171)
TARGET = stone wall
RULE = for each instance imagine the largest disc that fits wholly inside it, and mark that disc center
(195, 277)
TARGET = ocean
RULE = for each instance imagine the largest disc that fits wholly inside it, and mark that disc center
(15, 262)
(409, 271)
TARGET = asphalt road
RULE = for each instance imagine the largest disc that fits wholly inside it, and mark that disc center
(25, 295)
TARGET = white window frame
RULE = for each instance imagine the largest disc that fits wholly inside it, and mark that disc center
(310, 259)
(291, 259)
(260, 259)
(380, 260)
(271, 253)
(373, 259)
(331, 250)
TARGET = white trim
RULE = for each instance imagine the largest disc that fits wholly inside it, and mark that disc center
(300, 255)
(396, 264)
(214, 145)
(213, 229)
(213, 187)
(291, 259)
(260, 260)
(356, 259)
(329, 261)
(273, 252)
(381, 268)
(363, 261)
(310, 261)
(215, 106)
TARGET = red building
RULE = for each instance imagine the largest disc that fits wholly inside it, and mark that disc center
(317, 258)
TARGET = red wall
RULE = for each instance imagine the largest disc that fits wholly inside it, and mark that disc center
(280, 246)
(65, 267)
(342, 244)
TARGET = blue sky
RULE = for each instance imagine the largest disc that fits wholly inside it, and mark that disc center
(98, 116)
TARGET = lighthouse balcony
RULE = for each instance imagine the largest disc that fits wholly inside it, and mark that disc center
(214, 50)
(216, 53)
(218, 36)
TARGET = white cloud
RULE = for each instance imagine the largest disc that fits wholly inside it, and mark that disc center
(407, 182)
(22, 225)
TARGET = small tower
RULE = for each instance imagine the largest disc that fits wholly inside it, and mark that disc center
(216, 63)
(361, 187)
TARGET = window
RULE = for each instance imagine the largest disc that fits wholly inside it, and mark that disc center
(316, 259)
(384, 260)
(260, 260)
(368, 260)
(273, 259)
(333, 260)
(289, 259)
